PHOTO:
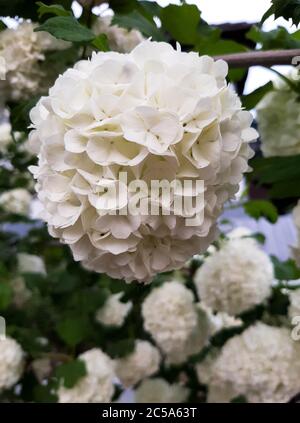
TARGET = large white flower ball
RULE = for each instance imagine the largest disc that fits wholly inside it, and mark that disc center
(11, 363)
(158, 390)
(236, 278)
(141, 363)
(278, 122)
(97, 385)
(152, 114)
(262, 364)
(172, 318)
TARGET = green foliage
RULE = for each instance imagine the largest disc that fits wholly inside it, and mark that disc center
(278, 38)
(286, 270)
(261, 208)
(249, 101)
(67, 28)
(101, 42)
(73, 330)
(181, 22)
(288, 9)
(136, 20)
(70, 373)
(5, 295)
(53, 9)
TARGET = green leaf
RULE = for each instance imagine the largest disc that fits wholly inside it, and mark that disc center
(136, 20)
(285, 270)
(5, 295)
(101, 42)
(278, 38)
(249, 101)
(2, 25)
(121, 348)
(70, 373)
(261, 208)
(53, 9)
(73, 330)
(288, 9)
(222, 47)
(151, 7)
(19, 114)
(276, 169)
(278, 303)
(67, 28)
(181, 22)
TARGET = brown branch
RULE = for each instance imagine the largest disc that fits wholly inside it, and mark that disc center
(260, 58)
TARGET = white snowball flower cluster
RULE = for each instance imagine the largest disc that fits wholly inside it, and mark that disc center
(173, 320)
(114, 312)
(158, 390)
(236, 278)
(296, 218)
(294, 308)
(141, 363)
(11, 363)
(97, 386)
(153, 114)
(119, 39)
(30, 263)
(262, 364)
(5, 136)
(16, 201)
(2, 68)
(24, 53)
(279, 124)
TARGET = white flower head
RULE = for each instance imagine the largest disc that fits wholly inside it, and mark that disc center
(16, 201)
(153, 114)
(22, 51)
(11, 363)
(236, 278)
(278, 122)
(262, 364)
(21, 294)
(158, 390)
(97, 385)
(114, 312)
(172, 318)
(30, 263)
(141, 363)
(119, 39)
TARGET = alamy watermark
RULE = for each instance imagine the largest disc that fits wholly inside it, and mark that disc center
(137, 197)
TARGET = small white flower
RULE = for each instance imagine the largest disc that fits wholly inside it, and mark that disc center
(141, 363)
(21, 294)
(172, 318)
(11, 363)
(114, 312)
(278, 122)
(236, 278)
(158, 390)
(16, 201)
(119, 39)
(97, 385)
(29, 263)
(262, 364)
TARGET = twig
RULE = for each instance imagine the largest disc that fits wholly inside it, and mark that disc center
(260, 58)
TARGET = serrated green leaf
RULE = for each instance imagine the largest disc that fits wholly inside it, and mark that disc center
(53, 9)
(121, 348)
(261, 208)
(67, 28)
(285, 270)
(70, 373)
(181, 22)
